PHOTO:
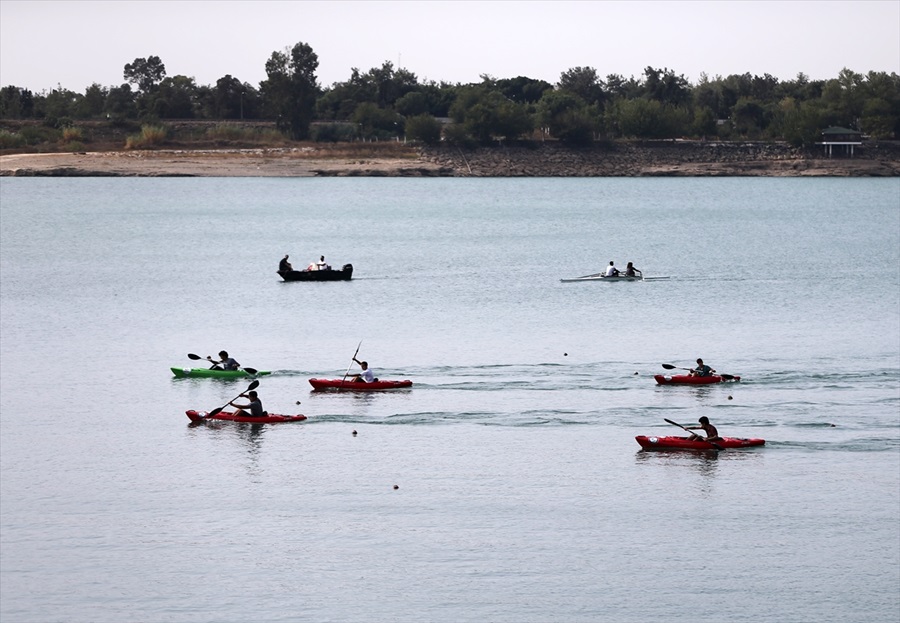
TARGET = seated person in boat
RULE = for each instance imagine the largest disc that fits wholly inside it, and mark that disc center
(702, 369)
(711, 433)
(225, 362)
(631, 271)
(366, 376)
(321, 265)
(253, 408)
(285, 266)
(611, 270)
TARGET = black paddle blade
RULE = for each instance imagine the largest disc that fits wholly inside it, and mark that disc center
(250, 370)
(194, 357)
(215, 412)
(727, 377)
(669, 366)
(252, 385)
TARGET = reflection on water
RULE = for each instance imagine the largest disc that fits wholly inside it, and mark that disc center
(702, 462)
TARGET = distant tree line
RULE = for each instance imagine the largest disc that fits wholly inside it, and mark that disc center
(387, 102)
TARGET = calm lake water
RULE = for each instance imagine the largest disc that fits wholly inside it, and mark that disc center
(506, 485)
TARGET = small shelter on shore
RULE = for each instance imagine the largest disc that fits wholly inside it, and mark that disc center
(842, 138)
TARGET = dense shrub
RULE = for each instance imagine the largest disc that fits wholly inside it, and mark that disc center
(333, 132)
(9, 140)
(72, 134)
(424, 128)
(150, 136)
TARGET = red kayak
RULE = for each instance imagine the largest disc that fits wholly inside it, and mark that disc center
(271, 418)
(685, 379)
(357, 386)
(685, 443)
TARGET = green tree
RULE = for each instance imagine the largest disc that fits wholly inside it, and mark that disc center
(523, 90)
(120, 102)
(583, 82)
(877, 120)
(290, 90)
(438, 97)
(487, 115)
(16, 103)
(883, 87)
(341, 99)
(423, 128)
(567, 117)
(175, 98)
(708, 94)
(377, 123)
(704, 123)
(413, 103)
(390, 85)
(643, 118)
(748, 117)
(59, 103)
(231, 99)
(665, 87)
(228, 98)
(92, 104)
(145, 73)
(800, 122)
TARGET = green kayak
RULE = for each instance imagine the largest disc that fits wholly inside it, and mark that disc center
(215, 374)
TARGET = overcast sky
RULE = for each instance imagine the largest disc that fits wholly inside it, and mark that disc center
(74, 44)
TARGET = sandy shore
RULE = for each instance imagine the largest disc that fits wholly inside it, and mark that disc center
(208, 163)
(631, 161)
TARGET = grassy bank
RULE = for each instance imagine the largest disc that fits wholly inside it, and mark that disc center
(34, 137)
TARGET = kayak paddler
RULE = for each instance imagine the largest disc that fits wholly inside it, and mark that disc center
(611, 270)
(702, 369)
(366, 376)
(254, 406)
(711, 433)
(225, 362)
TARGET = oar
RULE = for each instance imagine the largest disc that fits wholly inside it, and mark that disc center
(669, 366)
(244, 368)
(712, 443)
(216, 412)
(352, 359)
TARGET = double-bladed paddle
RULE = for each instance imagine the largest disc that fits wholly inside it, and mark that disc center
(216, 412)
(244, 368)
(712, 443)
(669, 366)
(352, 359)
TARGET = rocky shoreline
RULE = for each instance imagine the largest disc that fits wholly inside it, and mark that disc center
(644, 159)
